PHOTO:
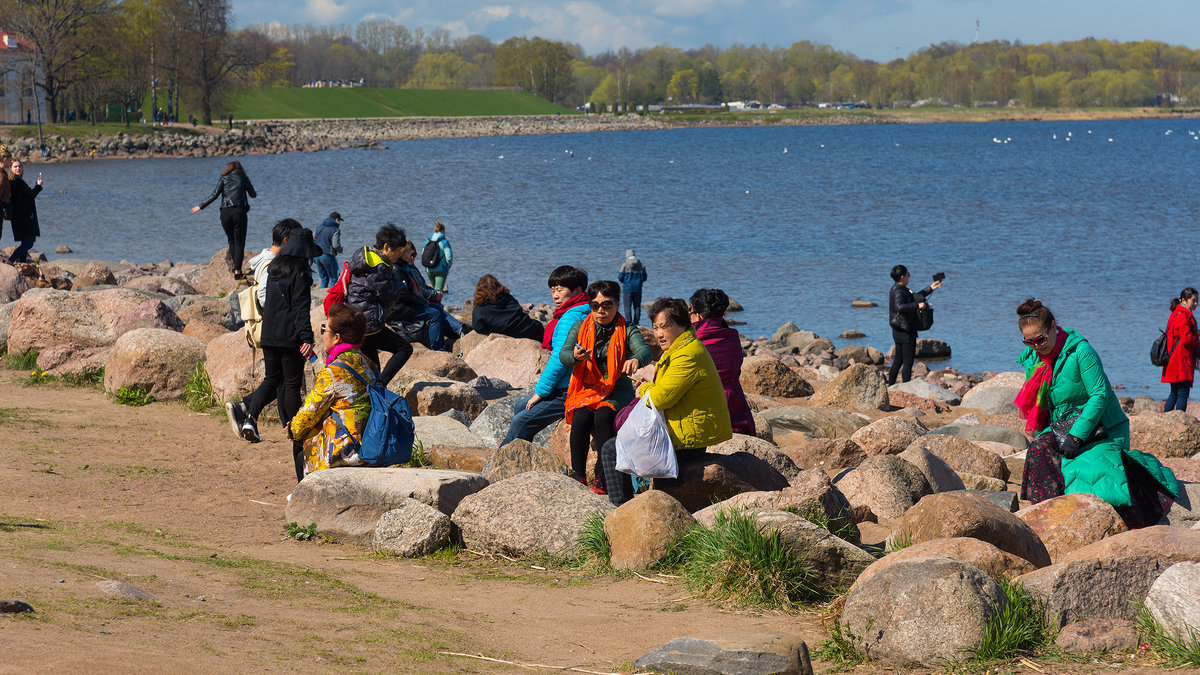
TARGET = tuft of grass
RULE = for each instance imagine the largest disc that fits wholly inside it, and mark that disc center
(838, 647)
(1173, 651)
(91, 376)
(815, 514)
(24, 361)
(1020, 628)
(132, 396)
(593, 541)
(198, 392)
(901, 540)
(420, 456)
(737, 562)
(301, 533)
(38, 376)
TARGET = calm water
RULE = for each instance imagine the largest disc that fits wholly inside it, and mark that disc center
(1103, 231)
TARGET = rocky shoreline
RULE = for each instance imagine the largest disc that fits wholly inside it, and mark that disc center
(284, 136)
(888, 493)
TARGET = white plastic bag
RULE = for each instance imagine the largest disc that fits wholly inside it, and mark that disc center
(644, 444)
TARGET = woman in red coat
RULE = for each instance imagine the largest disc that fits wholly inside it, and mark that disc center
(1182, 340)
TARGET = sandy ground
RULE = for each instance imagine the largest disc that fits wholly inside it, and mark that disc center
(169, 501)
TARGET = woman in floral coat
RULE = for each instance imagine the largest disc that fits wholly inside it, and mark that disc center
(331, 421)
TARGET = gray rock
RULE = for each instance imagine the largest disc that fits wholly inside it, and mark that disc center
(1007, 500)
(709, 478)
(886, 484)
(1173, 434)
(992, 400)
(120, 589)
(939, 474)
(1099, 635)
(926, 389)
(764, 450)
(812, 422)
(641, 531)
(922, 612)
(526, 515)
(1185, 511)
(852, 334)
(964, 456)
(835, 562)
(411, 529)
(1084, 589)
(960, 514)
(457, 415)
(859, 387)
(1174, 600)
(492, 424)
(444, 431)
(521, 456)
(730, 654)
(346, 502)
(888, 435)
(15, 607)
(984, 432)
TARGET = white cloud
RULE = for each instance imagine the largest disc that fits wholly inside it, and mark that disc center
(691, 8)
(327, 10)
(492, 13)
(589, 24)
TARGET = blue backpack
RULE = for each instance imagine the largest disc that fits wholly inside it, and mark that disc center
(389, 434)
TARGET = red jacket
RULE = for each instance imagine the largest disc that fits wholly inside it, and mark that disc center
(1181, 328)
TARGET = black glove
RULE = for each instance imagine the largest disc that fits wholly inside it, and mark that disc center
(1070, 447)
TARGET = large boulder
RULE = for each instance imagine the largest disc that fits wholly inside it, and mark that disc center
(46, 318)
(12, 284)
(811, 496)
(764, 450)
(724, 653)
(995, 400)
(1098, 635)
(979, 554)
(1094, 587)
(519, 457)
(831, 454)
(835, 562)
(811, 423)
(964, 456)
(441, 430)
(768, 376)
(889, 435)
(527, 515)
(411, 529)
(941, 477)
(1172, 544)
(434, 397)
(708, 478)
(459, 458)
(962, 514)
(1173, 434)
(492, 424)
(191, 309)
(859, 387)
(155, 283)
(217, 279)
(154, 360)
(984, 432)
(94, 273)
(919, 386)
(439, 365)
(515, 360)
(641, 530)
(922, 612)
(62, 359)
(885, 484)
(1070, 522)
(346, 502)
(860, 354)
(233, 368)
(1174, 600)
(150, 314)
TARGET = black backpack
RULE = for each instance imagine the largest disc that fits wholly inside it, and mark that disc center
(1159, 354)
(925, 317)
(431, 255)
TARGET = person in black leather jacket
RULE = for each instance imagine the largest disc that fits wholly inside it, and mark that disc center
(232, 188)
(374, 288)
(902, 315)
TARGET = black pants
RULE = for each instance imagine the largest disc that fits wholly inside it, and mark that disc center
(233, 219)
(283, 383)
(906, 353)
(586, 423)
(387, 340)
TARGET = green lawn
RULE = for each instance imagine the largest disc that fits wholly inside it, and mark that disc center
(293, 103)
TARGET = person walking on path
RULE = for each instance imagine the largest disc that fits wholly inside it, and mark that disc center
(23, 211)
(233, 187)
(441, 263)
(329, 237)
(1182, 340)
(632, 276)
(902, 315)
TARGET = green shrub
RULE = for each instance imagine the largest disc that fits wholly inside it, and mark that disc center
(23, 361)
(91, 376)
(134, 397)
(902, 540)
(419, 457)
(1019, 628)
(593, 540)
(814, 513)
(299, 533)
(735, 561)
(1171, 650)
(838, 647)
(198, 392)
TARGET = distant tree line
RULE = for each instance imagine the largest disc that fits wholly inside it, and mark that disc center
(97, 53)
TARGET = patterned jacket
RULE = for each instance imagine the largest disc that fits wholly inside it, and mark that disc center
(334, 414)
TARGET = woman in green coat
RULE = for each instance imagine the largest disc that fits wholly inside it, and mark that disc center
(1082, 435)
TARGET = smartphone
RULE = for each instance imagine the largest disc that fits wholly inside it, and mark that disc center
(939, 276)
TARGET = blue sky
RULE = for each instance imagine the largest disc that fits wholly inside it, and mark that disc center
(875, 29)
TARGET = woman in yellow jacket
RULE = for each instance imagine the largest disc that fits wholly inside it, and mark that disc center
(687, 390)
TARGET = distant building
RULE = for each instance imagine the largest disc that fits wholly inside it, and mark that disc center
(18, 73)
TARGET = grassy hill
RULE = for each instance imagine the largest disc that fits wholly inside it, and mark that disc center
(293, 103)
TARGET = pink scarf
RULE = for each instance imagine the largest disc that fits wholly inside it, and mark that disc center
(1033, 402)
(338, 350)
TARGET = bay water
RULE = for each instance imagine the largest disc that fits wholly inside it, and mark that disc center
(1096, 218)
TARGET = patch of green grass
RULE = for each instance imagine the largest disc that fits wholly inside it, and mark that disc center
(1019, 628)
(1174, 651)
(736, 561)
(38, 377)
(91, 376)
(298, 103)
(198, 392)
(86, 130)
(593, 540)
(814, 513)
(301, 533)
(23, 416)
(420, 456)
(899, 541)
(26, 360)
(132, 396)
(838, 647)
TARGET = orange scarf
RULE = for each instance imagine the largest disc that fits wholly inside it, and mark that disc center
(588, 387)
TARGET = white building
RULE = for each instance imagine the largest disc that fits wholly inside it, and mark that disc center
(18, 73)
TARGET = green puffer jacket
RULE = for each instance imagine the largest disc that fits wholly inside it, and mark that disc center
(1079, 383)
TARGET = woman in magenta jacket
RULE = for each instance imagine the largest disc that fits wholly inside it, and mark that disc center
(1182, 340)
(708, 307)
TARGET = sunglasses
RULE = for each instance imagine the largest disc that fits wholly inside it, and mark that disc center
(322, 329)
(606, 305)
(1037, 341)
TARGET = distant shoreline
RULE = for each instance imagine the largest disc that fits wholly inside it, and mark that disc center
(255, 137)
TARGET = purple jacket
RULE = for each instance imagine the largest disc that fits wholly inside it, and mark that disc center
(725, 347)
